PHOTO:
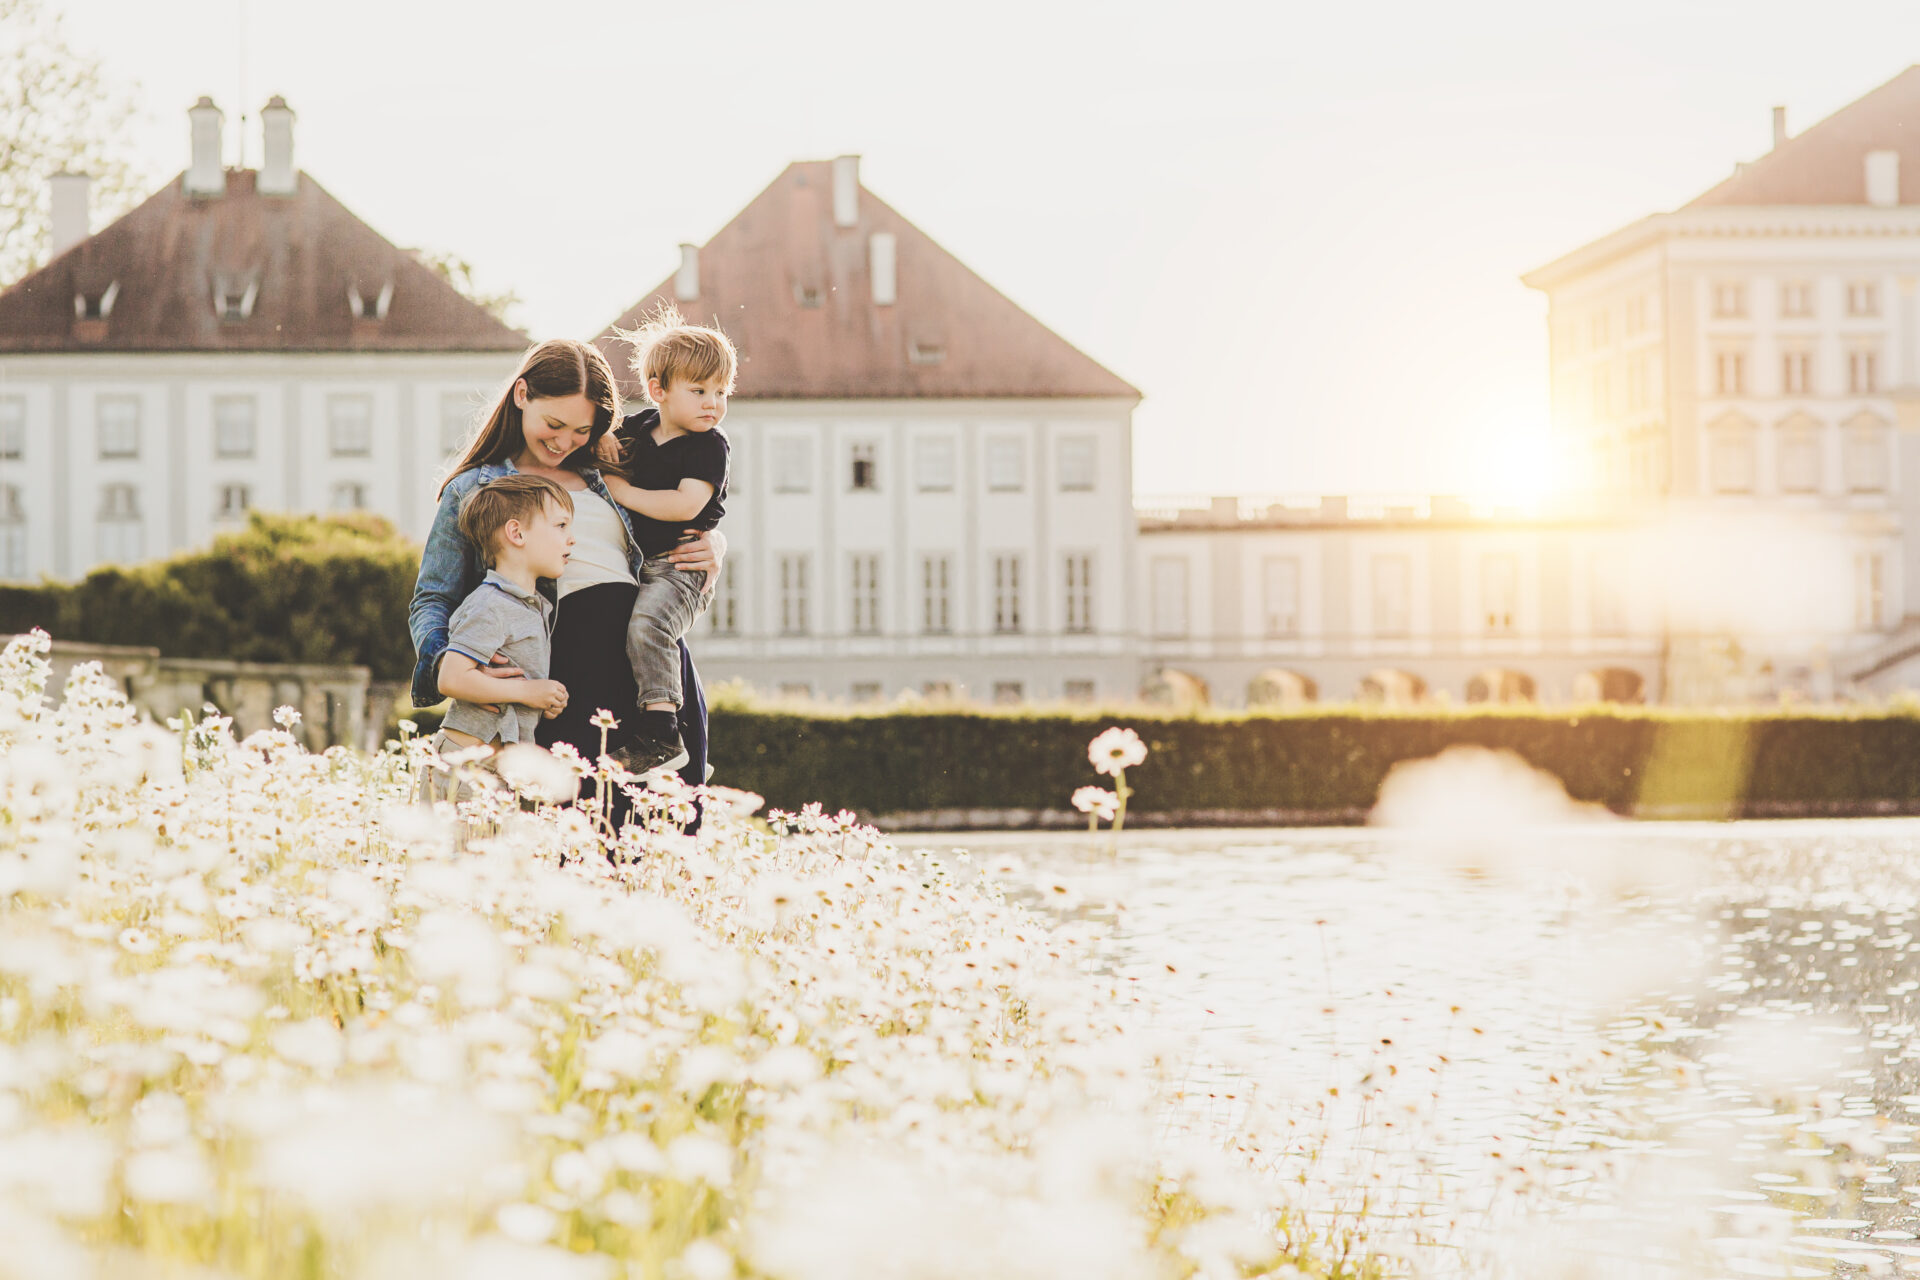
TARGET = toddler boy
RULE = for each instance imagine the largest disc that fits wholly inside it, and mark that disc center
(523, 527)
(676, 456)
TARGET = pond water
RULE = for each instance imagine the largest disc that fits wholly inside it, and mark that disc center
(1602, 1050)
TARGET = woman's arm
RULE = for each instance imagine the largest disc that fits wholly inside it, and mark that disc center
(683, 503)
(446, 578)
(464, 679)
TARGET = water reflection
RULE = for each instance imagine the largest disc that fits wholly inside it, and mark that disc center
(1590, 1071)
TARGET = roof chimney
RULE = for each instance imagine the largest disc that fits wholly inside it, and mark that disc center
(882, 263)
(686, 281)
(71, 216)
(1883, 178)
(278, 177)
(846, 190)
(1779, 127)
(205, 177)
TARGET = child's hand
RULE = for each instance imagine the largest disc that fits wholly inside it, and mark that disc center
(549, 697)
(608, 449)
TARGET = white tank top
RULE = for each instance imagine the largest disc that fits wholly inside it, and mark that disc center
(599, 545)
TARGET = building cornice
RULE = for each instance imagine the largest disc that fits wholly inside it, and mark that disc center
(1729, 222)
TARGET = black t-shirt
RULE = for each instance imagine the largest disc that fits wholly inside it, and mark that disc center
(697, 455)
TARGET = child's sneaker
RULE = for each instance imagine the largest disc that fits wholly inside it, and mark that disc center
(644, 755)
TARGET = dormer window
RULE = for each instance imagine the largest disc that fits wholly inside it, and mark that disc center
(927, 352)
(806, 295)
(234, 296)
(369, 306)
(97, 307)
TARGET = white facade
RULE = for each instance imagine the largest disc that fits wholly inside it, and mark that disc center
(971, 549)
(115, 458)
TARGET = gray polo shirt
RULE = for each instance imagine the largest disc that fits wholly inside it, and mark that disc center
(518, 625)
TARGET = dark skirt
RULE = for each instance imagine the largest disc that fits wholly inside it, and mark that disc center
(590, 658)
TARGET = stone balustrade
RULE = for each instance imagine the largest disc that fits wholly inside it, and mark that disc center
(332, 700)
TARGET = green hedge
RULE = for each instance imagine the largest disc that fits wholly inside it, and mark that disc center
(285, 589)
(1324, 764)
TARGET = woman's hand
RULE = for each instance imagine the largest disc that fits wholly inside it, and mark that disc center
(498, 666)
(701, 554)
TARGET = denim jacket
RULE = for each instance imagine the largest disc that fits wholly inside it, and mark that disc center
(451, 569)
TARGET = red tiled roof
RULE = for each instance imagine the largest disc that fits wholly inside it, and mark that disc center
(304, 252)
(949, 334)
(1826, 164)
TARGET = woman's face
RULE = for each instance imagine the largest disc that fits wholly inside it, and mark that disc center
(554, 426)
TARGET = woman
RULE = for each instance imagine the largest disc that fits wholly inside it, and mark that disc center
(547, 422)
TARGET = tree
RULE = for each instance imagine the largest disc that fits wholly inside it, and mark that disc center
(458, 272)
(57, 113)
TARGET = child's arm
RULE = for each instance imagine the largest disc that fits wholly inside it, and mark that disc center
(683, 503)
(464, 679)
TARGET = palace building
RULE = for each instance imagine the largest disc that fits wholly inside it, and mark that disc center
(238, 341)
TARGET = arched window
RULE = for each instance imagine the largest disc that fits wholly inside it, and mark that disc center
(1281, 688)
(1731, 455)
(1866, 454)
(1497, 684)
(1800, 442)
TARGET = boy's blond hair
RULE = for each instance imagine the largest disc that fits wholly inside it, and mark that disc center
(666, 347)
(485, 512)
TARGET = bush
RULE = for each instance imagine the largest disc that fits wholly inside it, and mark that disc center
(1326, 764)
(316, 589)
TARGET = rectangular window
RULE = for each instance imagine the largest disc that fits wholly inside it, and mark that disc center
(1280, 595)
(1169, 592)
(793, 595)
(1796, 372)
(1636, 315)
(1499, 593)
(119, 422)
(1006, 594)
(120, 535)
(1729, 301)
(1079, 573)
(1006, 464)
(1009, 693)
(1606, 601)
(1863, 298)
(1730, 373)
(1601, 336)
(1863, 372)
(456, 421)
(1078, 463)
(1079, 690)
(1870, 591)
(936, 594)
(13, 534)
(723, 613)
(796, 691)
(792, 464)
(868, 691)
(13, 428)
(933, 464)
(349, 495)
(1392, 595)
(233, 421)
(350, 426)
(232, 502)
(865, 472)
(1603, 391)
(1796, 299)
(864, 578)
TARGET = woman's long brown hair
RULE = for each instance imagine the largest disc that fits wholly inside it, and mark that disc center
(556, 367)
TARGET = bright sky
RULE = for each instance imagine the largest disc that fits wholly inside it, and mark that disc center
(1297, 227)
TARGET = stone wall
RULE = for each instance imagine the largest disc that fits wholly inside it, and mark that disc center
(331, 700)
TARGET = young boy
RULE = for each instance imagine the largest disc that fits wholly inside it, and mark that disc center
(676, 455)
(523, 527)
